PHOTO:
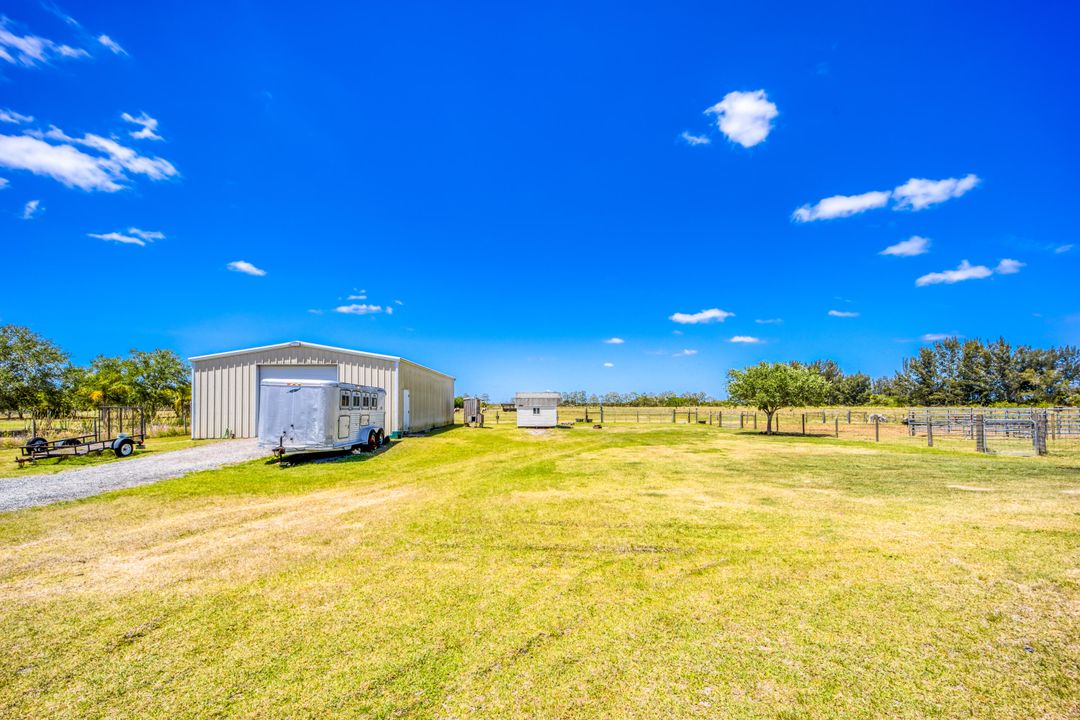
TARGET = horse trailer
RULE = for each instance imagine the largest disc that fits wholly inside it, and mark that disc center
(305, 416)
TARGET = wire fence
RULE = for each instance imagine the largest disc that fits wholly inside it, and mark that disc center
(1004, 430)
(15, 430)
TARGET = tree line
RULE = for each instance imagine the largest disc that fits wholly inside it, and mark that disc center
(947, 372)
(36, 375)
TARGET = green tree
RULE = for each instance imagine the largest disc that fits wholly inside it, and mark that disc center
(772, 386)
(158, 379)
(32, 370)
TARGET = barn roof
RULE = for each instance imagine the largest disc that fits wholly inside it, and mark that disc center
(315, 346)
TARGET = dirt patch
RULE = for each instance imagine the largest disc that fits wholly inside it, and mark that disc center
(202, 544)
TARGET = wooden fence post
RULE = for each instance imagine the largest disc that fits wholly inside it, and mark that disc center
(930, 434)
(836, 431)
(804, 423)
(755, 419)
(877, 429)
(1038, 434)
(720, 422)
(978, 429)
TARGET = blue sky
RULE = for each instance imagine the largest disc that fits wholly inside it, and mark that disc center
(507, 187)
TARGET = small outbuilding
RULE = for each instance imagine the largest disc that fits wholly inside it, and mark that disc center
(537, 409)
(225, 386)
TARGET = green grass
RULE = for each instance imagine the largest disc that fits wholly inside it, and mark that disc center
(627, 572)
(9, 468)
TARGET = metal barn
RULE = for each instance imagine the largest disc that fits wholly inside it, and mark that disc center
(225, 386)
(537, 409)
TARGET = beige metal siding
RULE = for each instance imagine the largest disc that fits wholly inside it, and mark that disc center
(226, 388)
(431, 396)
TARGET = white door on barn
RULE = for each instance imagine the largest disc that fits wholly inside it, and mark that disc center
(292, 372)
(298, 372)
(405, 411)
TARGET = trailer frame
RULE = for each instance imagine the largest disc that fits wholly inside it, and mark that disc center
(103, 438)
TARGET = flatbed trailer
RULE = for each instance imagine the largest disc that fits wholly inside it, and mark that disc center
(108, 434)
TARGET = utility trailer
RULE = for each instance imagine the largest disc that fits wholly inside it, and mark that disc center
(317, 416)
(108, 434)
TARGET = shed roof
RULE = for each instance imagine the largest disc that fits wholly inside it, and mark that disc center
(543, 395)
(316, 346)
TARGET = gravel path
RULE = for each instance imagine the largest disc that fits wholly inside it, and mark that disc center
(23, 492)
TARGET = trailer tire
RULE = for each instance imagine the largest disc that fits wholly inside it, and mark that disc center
(36, 442)
(68, 441)
(372, 442)
(124, 448)
(381, 438)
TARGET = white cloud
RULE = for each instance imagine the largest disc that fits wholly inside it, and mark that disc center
(120, 157)
(843, 314)
(106, 169)
(358, 309)
(966, 271)
(119, 237)
(1063, 249)
(704, 316)
(919, 193)
(315, 311)
(769, 321)
(745, 339)
(389, 310)
(149, 126)
(32, 50)
(357, 297)
(839, 206)
(615, 341)
(936, 337)
(3, 183)
(691, 139)
(111, 45)
(398, 302)
(1008, 266)
(10, 116)
(609, 365)
(31, 209)
(146, 234)
(63, 163)
(915, 245)
(745, 117)
(243, 266)
(915, 194)
(685, 353)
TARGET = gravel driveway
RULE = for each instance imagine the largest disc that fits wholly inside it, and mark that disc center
(23, 492)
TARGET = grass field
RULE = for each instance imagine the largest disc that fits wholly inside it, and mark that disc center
(632, 572)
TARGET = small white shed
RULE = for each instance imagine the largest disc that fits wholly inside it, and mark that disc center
(537, 409)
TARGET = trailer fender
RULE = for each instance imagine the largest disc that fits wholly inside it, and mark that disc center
(123, 445)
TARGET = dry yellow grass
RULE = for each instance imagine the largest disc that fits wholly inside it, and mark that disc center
(627, 572)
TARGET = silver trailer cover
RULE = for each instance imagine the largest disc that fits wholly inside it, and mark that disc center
(297, 410)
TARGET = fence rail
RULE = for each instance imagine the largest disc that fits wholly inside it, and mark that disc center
(1005, 430)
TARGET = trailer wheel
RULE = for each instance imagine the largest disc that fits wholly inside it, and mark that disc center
(67, 442)
(124, 449)
(382, 439)
(372, 442)
(36, 442)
